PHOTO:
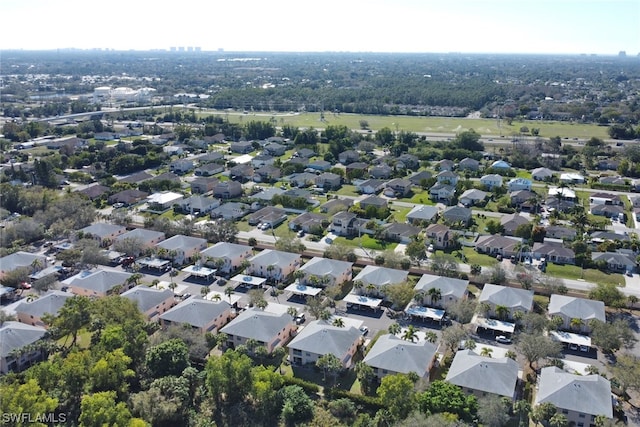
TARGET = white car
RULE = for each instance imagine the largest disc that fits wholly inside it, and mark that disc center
(503, 339)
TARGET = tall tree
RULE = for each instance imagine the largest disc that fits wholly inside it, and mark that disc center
(397, 394)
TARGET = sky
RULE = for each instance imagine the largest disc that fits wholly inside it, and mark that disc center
(466, 26)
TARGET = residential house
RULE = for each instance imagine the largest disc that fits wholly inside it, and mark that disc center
(309, 222)
(242, 173)
(442, 192)
(370, 186)
(167, 176)
(469, 164)
(560, 232)
(231, 255)
(520, 197)
(201, 314)
(274, 149)
(201, 185)
(267, 173)
(444, 165)
(270, 330)
(500, 164)
(98, 283)
(482, 376)
(136, 178)
(422, 214)
(181, 249)
(343, 223)
(94, 192)
(210, 157)
(336, 205)
(302, 180)
(457, 214)
(440, 236)
(356, 170)
(328, 181)
(615, 261)
(199, 205)
(320, 165)
(398, 187)
(242, 147)
(613, 180)
(554, 203)
(541, 174)
(375, 201)
(569, 308)
(391, 355)
(348, 156)
(447, 177)
(302, 161)
(491, 181)
(102, 232)
(305, 153)
(21, 259)
(13, 337)
(140, 238)
(231, 210)
(554, 252)
(263, 160)
(270, 215)
(329, 271)
(209, 169)
(601, 198)
(407, 161)
(128, 197)
(498, 245)
(511, 222)
(608, 164)
(449, 290)
(609, 211)
(516, 184)
(227, 189)
(164, 200)
(32, 312)
(181, 166)
(512, 299)
(374, 278)
(382, 171)
(635, 201)
(580, 398)
(319, 338)
(400, 232)
(571, 178)
(272, 264)
(472, 197)
(150, 301)
(419, 178)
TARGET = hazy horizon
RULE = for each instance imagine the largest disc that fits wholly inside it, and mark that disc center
(565, 27)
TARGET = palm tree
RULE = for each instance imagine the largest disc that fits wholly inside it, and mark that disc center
(419, 297)
(358, 286)
(324, 315)
(244, 265)
(31, 297)
(293, 312)
(558, 420)
(339, 322)
(431, 336)
(298, 275)
(394, 329)
(556, 322)
(204, 291)
(216, 297)
(228, 291)
(576, 323)
(262, 304)
(410, 334)
(522, 407)
(155, 283)
(511, 354)
(486, 351)
(502, 312)
(371, 288)
(470, 344)
(435, 295)
(173, 286)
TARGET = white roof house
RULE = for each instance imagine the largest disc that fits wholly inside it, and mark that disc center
(274, 264)
(319, 338)
(512, 298)
(150, 301)
(569, 308)
(21, 259)
(571, 178)
(15, 335)
(199, 313)
(96, 283)
(480, 374)
(380, 276)
(451, 289)
(335, 271)
(393, 355)
(268, 328)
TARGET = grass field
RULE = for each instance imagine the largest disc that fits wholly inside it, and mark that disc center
(590, 275)
(367, 242)
(474, 257)
(435, 125)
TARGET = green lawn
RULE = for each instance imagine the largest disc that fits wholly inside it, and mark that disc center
(400, 214)
(590, 274)
(421, 197)
(244, 225)
(367, 242)
(474, 257)
(521, 173)
(348, 190)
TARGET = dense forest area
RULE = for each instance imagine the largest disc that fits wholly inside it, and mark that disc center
(584, 88)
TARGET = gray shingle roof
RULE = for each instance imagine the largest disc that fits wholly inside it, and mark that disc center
(225, 250)
(470, 370)
(269, 257)
(448, 286)
(20, 259)
(381, 276)
(181, 242)
(508, 297)
(257, 324)
(325, 267)
(589, 394)
(196, 312)
(423, 212)
(15, 335)
(147, 298)
(100, 280)
(142, 234)
(50, 303)
(397, 355)
(102, 229)
(319, 337)
(576, 308)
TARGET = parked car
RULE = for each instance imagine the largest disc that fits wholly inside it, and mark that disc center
(300, 319)
(502, 339)
(585, 348)
(573, 347)
(300, 233)
(221, 282)
(364, 330)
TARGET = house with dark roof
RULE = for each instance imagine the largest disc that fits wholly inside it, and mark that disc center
(336, 205)
(497, 245)
(375, 201)
(609, 211)
(263, 160)
(320, 165)
(32, 312)
(441, 192)
(440, 236)
(302, 180)
(274, 149)
(305, 153)
(333, 271)
(457, 214)
(94, 192)
(601, 198)
(136, 178)
(370, 186)
(230, 210)
(209, 169)
(343, 223)
(231, 255)
(328, 181)
(554, 252)
(615, 261)
(568, 308)
(511, 222)
(242, 173)
(419, 178)
(481, 375)
(242, 147)
(407, 161)
(182, 249)
(469, 164)
(227, 189)
(382, 171)
(128, 197)
(348, 156)
(560, 232)
(472, 197)
(309, 222)
(391, 355)
(398, 187)
(270, 215)
(356, 170)
(267, 173)
(201, 314)
(199, 205)
(444, 165)
(319, 338)
(150, 301)
(519, 197)
(270, 330)
(14, 336)
(399, 232)
(580, 398)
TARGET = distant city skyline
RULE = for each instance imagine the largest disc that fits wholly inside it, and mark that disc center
(603, 27)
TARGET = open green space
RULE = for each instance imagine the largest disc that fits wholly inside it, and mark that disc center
(474, 257)
(589, 274)
(348, 190)
(367, 242)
